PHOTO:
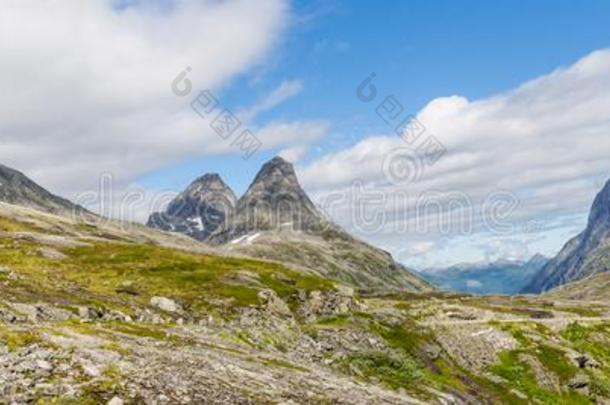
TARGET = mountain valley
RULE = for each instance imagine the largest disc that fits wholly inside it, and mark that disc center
(101, 311)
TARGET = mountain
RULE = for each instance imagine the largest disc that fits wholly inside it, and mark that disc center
(18, 189)
(500, 277)
(276, 220)
(584, 255)
(200, 210)
(274, 200)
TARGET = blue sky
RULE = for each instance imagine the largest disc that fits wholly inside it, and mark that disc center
(517, 92)
(419, 49)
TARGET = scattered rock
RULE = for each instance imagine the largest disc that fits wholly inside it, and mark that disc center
(166, 304)
(433, 350)
(274, 304)
(127, 287)
(580, 382)
(584, 361)
(324, 303)
(116, 401)
(50, 253)
(44, 365)
(41, 312)
(544, 378)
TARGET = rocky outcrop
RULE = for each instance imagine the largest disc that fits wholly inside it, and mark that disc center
(200, 210)
(584, 255)
(327, 303)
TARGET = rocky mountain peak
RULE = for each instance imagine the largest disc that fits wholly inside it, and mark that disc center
(276, 178)
(275, 168)
(274, 200)
(204, 206)
(208, 189)
(209, 178)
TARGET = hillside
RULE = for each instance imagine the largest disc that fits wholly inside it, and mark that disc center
(92, 312)
(593, 288)
(16, 188)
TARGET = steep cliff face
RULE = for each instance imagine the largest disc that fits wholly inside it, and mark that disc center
(18, 189)
(584, 255)
(198, 211)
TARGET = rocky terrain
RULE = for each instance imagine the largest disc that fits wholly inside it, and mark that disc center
(94, 311)
(117, 313)
(499, 277)
(584, 255)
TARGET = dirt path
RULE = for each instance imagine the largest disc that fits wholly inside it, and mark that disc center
(548, 321)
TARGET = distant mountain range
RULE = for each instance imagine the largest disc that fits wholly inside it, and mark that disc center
(584, 255)
(500, 277)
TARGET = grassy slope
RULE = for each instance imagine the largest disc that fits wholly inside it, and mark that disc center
(124, 275)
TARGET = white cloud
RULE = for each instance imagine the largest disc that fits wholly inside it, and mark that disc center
(294, 153)
(546, 142)
(86, 88)
(283, 92)
(474, 284)
(281, 133)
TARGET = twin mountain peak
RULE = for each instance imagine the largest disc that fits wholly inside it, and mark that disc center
(208, 209)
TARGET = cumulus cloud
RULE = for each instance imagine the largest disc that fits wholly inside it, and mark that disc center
(544, 144)
(86, 86)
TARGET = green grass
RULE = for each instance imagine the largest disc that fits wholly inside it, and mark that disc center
(584, 312)
(11, 225)
(16, 339)
(394, 370)
(97, 275)
(519, 376)
(593, 340)
(555, 360)
(334, 321)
